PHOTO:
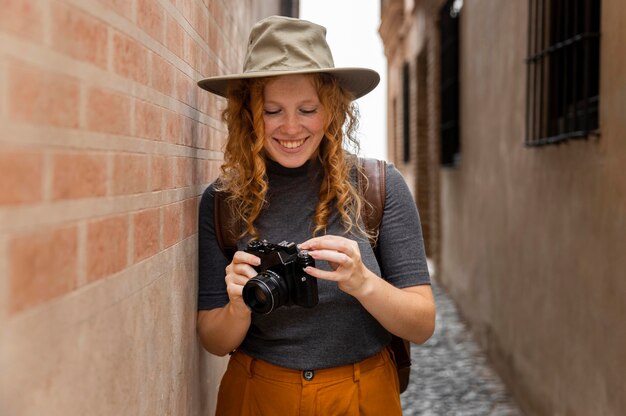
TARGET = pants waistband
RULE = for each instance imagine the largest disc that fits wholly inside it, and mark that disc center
(257, 367)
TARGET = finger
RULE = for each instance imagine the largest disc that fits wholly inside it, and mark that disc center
(247, 258)
(316, 241)
(321, 274)
(331, 256)
(234, 291)
(236, 280)
(330, 242)
(244, 270)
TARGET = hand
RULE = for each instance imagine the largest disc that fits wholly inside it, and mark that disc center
(344, 258)
(238, 272)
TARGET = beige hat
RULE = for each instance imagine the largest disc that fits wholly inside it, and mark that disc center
(285, 46)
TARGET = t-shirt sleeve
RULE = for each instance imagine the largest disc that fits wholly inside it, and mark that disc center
(211, 261)
(401, 244)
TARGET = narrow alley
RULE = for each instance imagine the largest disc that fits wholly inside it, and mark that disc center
(451, 376)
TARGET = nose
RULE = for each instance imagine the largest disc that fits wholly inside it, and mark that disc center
(291, 125)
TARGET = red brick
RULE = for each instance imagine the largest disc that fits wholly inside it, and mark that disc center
(79, 175)
(203, 168)
(130, 59)
(172, 224)
(217, 12)
(201, 22)
(214, 40)
(203, 138)
(148, 120)
(175, 38)
(130, 173)
(123, 7)
(210, 171)
(173, 127)
(184, 172)
(108, 112)
(186, 89)
(107, 242)
(79, 35)
(204, 102)
(22, 17)
(189, 131)
(43, 266)
(204, 63)
(20, 176)
(151, 18)
(40, 97)
(190, 214)
(147, 229)
(190, 52)
(162, 175)
(215, 170)
(162, 75)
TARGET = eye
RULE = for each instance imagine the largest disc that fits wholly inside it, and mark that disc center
(308, 110)
(270, 112)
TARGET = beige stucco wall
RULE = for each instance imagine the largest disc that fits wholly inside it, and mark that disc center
(533, 239)
(106, 144)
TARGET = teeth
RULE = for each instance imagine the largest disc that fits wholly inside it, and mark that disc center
(291, 144)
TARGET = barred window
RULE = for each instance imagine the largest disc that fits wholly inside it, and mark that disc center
(449, 88)
(563, 70)
(406, 114)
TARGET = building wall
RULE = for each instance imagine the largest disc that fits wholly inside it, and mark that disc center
(406, 31)
(106, 144)
(532, 239)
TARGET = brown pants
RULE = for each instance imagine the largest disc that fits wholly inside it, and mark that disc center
(255, 387)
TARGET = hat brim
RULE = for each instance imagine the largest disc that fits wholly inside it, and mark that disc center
(359, 81)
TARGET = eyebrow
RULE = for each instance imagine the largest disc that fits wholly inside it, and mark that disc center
(308, 101)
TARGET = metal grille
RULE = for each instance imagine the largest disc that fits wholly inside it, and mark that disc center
(449, 89)
(563, 70)
(406, 114)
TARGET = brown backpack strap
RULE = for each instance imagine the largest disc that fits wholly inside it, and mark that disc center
(372, 188)
(226, 228)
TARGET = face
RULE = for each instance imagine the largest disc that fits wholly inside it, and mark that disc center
(294, 120)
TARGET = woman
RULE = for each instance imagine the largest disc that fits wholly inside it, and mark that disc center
(290, 116)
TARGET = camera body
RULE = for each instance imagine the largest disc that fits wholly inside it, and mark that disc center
(281, 279)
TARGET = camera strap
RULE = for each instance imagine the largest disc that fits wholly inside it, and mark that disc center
(371, 185)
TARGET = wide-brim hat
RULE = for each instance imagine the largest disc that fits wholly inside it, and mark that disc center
(281, 45)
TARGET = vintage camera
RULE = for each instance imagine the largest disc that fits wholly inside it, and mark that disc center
(281, 279)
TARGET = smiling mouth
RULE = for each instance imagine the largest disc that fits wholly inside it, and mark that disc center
(291, 144)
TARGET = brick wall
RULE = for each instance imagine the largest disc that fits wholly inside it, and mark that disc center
(106, 144)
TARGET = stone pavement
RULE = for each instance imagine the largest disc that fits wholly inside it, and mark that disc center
(450, 375)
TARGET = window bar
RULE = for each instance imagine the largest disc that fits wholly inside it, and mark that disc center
(573, 112)
(566, 101)
(406, 114)
(586, 47)
(541, 63)
(534, 88)
(554, 70)
(529, 75)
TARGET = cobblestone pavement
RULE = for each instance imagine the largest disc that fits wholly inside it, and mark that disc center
(450, 375)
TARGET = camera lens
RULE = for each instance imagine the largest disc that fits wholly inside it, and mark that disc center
(260, 295)
(265, 292)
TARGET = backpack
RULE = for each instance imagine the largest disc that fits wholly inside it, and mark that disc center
(373, 190)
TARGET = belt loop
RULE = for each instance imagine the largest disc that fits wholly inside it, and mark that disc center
(357, 372)
(251, 368)
(247, 361)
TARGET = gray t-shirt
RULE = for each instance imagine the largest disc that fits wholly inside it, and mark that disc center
(338, 330)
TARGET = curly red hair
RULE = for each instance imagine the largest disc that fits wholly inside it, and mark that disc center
(244, 177)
